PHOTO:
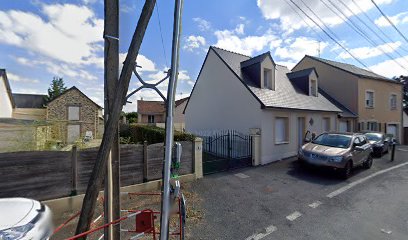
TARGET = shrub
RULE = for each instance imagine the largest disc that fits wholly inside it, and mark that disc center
(152, 134)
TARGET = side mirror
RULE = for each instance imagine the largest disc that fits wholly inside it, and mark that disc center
(308, 137)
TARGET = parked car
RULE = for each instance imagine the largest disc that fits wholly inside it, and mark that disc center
(381, 144)
(341, 151)
(22, 218)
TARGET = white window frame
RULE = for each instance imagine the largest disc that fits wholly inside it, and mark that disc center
(69, 115)
(366, 99)
(268, 82)
(313, 91)
(285, 139)
(391, 101)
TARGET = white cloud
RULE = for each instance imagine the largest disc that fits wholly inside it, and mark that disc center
(369, 52)
(389, 68)
(202, 24)
(290, 21)
(230, 40)
(240, 29)
(18, 78)
(146, 64)
(194, 42)
(67, 33)
(296, 48)
(400, 18)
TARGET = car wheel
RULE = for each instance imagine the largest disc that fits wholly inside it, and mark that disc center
(348, 169)
(369, 162)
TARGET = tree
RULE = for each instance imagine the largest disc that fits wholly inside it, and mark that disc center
(131, 117)
(56, 88)
(404, 80)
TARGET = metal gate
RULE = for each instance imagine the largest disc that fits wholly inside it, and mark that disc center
(226, 150)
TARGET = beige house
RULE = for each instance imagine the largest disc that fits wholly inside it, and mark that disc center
(73, 115)
(254, 95)
(374, 99)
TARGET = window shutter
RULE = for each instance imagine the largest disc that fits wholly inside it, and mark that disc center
(359, 127)
(379, 127)
(385, 127)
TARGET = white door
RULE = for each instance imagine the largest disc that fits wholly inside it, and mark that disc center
(73, 133)
(301, 131)
(392, 129)
(342, 126)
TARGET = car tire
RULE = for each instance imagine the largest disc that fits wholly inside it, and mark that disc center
(369, 162)
(347, 170)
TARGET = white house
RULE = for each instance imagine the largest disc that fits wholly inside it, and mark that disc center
(6, 97)
(234, 91)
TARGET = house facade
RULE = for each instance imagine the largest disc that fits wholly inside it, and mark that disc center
(235, 91)
(29, 106)
(73, 115)
(6, 97)
(374, 99)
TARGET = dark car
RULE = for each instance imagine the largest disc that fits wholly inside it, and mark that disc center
(381, 144)
(342, 151)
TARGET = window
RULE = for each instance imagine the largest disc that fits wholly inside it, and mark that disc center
(393, 102)
(150, 118)
(73, 113)
(372, 126)
(313, 88)
(326, 124)
(369, 99)
(281, 130)
(267, 77)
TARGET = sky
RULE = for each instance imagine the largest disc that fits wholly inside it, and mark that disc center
(64, 38)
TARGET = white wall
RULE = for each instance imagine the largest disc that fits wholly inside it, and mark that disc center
(220, 101)
(6, 109)
(270, 151)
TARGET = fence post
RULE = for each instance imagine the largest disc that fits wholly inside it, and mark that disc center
(198, 157)
(74, 164)
(145, 164)
(255, 134)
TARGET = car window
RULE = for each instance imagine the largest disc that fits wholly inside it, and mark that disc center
(363, 140)
(356, 142)
(333, 140)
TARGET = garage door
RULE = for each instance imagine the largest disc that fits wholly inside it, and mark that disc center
(343, 126)
(392, 129)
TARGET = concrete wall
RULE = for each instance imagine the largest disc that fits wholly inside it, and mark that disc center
(272, 152)
(30, 113)
(6, 109)
(339, 84)
(220, 101)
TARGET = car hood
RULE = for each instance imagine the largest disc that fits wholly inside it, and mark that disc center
(17, 211)
(374, 142)
(320, 149)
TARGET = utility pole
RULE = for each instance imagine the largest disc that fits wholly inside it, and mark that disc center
(111, 127)
(171, 91)
(111, 76)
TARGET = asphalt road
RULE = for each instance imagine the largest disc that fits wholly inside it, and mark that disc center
(272, 202)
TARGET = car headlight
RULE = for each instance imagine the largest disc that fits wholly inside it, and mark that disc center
(336, 158)
(15, 233)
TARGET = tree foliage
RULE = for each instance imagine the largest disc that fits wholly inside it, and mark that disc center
(404, 80)
(131, 117)
(57, 87)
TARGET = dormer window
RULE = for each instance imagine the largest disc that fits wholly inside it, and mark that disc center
(267, 79)
(313, 87)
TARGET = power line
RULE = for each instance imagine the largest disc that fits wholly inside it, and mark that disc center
(377, 27)
(161, 34)
(358, 30)
(331, 37)
(361, 20)
(392, 24)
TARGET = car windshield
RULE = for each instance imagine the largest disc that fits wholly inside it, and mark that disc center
(373, 136)
(333, 140)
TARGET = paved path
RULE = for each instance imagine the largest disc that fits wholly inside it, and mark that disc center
(286, 201)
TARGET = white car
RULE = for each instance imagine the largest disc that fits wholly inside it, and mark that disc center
(22, 218)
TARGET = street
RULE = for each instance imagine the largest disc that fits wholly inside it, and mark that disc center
(287, 201)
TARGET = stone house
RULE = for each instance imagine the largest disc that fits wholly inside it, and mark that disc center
(74, 115)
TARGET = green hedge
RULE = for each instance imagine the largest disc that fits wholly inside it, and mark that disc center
(135, 133)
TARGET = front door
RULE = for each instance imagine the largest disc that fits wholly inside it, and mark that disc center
(343, 126)
(73, 133)
(301, 131)
(392, 129)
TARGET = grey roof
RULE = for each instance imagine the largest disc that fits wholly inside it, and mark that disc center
(285, 95)
(301, 73)
(23, 100)
(256, 59)
(345, 111)
(352, 69)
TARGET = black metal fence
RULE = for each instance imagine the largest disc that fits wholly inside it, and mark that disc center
(225, 150)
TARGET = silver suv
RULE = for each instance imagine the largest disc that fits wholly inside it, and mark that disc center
(342, 151)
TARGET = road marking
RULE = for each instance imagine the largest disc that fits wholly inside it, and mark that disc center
(315, 204)
(401, 149)
(293, 216)
(268, 230)
(241, 175)
(350, 185)
(386, 231)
